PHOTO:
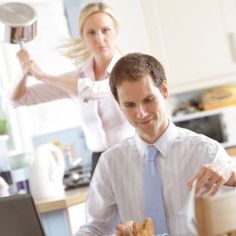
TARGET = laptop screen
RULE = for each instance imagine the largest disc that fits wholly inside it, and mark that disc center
(18, 216)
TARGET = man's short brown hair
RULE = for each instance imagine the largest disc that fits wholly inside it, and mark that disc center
(133, 67)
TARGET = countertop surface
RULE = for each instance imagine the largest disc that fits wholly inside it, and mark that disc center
(70, 198)
(231, 151)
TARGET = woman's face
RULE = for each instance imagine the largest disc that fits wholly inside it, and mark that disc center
(99, 34)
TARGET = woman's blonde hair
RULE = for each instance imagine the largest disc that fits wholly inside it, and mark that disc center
(75, 48)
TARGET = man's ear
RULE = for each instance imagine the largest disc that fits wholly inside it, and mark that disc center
(164, 89)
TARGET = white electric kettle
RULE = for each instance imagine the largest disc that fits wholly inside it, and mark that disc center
(46, 172)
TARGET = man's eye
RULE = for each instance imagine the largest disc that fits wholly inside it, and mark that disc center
(128, 105)
(147, 100)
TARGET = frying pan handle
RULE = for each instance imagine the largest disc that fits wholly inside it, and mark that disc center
(20, 41)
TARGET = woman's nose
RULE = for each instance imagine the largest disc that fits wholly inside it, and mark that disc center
(99, 37)
(141, 112)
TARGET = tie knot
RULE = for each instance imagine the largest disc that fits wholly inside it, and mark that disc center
(150, 153)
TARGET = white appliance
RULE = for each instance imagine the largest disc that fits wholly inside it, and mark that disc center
(217, 124)
(46, 172)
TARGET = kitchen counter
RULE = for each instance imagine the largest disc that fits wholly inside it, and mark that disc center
(62, 216)
(72, 197)
(231, 151)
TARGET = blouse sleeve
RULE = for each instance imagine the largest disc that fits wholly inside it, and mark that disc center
(41, 93)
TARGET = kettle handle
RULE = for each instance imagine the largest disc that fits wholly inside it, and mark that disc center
(58, 159)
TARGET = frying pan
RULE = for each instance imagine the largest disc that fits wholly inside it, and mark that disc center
(18, 23)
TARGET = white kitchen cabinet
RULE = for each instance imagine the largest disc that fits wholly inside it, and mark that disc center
(63, 216)
(133, 36)
(77, 216)
(190, 38)
(64, 222)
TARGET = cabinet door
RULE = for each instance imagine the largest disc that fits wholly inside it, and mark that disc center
(77, 216)
(190, 39)
(133, 35)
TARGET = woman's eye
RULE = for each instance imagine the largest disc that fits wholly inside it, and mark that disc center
(91, 32)
(105, 30)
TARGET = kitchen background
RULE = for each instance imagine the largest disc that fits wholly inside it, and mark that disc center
(195, 40)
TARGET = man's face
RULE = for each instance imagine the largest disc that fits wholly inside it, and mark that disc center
(143, 104)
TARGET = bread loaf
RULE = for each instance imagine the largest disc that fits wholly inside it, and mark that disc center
(132, 228)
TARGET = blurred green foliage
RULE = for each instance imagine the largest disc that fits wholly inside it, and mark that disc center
(3, 127)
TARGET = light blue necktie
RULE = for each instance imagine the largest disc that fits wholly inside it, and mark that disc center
(153, 201)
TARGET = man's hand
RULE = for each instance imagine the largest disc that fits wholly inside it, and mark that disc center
(210, 178)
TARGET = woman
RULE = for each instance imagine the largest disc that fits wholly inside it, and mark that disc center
(102, 121)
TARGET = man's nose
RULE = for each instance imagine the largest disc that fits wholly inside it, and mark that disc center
(141, 112)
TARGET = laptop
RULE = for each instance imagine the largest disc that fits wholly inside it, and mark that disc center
(19, 217)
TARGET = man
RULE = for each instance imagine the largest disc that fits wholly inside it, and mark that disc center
(116, 192)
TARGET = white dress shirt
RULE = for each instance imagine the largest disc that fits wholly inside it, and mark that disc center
(116, 190)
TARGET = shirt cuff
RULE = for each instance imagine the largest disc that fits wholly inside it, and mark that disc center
(92, 90)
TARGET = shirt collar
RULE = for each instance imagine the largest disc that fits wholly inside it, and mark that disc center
(163, 144)
(115, 58)
(88, 71)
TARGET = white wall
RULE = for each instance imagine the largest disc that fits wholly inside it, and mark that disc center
(133, 35)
